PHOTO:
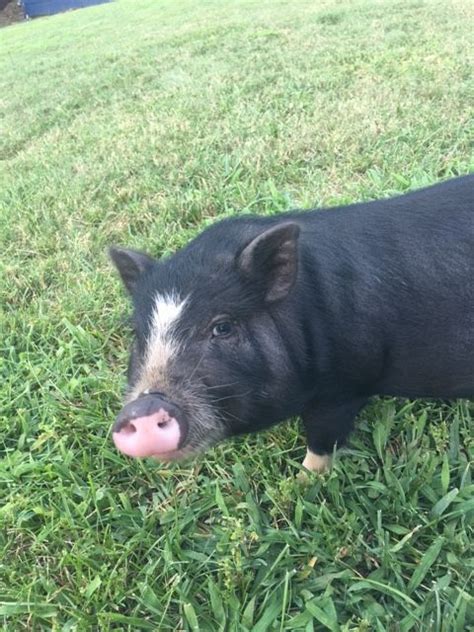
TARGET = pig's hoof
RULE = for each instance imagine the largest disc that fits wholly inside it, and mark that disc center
(316, 463)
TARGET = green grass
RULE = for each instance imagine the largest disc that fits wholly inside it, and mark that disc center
(138, 123)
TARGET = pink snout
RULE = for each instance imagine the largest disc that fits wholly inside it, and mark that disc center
(148, 436)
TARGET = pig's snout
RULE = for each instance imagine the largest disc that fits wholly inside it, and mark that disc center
(149, 426)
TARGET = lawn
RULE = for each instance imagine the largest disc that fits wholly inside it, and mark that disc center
(140, 122)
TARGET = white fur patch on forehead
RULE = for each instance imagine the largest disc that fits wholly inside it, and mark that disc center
(162, 343)
(167, 310)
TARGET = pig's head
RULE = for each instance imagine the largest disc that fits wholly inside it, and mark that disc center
(211, 356)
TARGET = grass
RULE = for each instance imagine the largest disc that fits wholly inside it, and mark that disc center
(139, 122)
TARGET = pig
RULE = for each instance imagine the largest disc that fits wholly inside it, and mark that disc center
(305, 313)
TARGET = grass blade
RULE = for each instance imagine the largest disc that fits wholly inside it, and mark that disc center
(427, 561)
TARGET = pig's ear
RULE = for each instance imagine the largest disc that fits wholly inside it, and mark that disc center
(271, 260)
(131, 264)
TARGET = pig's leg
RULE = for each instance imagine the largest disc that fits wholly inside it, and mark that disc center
(326, 425)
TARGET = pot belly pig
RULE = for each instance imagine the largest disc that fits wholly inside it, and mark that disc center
(306, 313)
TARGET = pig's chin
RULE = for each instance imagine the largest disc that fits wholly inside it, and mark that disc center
(174, 455)
(186, 452)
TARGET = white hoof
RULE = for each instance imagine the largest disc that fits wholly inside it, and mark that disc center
(317, 462)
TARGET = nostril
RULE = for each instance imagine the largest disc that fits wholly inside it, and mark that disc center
(128, 429)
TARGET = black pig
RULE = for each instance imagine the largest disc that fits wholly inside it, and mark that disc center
(305, 313)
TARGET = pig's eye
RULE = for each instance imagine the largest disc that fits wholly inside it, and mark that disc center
(222, 329)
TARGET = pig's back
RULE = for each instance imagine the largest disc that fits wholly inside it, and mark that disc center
(396, 278)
